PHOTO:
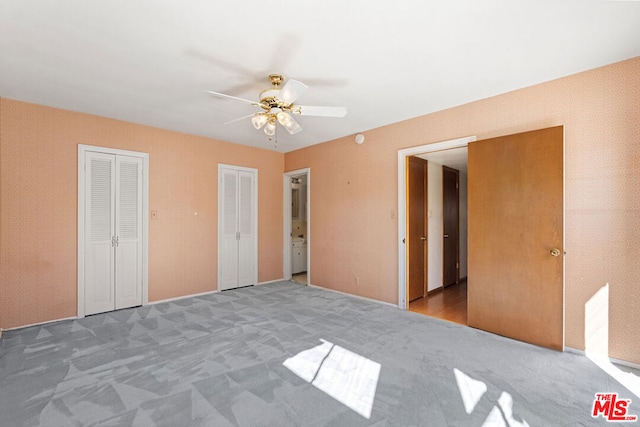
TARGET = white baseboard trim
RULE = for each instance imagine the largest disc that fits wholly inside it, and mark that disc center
(574, 351)
(149, 303)
(40, 323)
(183, 297)
(271, 281)
(624, 363)
(355, 296)
(611, 359)
(206, 293)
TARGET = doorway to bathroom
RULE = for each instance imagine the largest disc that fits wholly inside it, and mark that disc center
(296, 226)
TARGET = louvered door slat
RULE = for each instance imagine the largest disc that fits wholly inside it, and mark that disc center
(99, 230)
(128, 216)
(246, 258)
(237, 245)
(228, 246)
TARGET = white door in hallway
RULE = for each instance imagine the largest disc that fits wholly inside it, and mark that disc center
(113, 232)
(237, 227)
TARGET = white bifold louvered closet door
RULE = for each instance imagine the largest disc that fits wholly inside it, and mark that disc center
(113, 232)
(237, 227)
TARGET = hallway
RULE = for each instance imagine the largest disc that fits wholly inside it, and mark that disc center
(449, 303)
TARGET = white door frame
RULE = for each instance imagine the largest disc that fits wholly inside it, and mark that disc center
(402, 204)
(286, 222)
(82, 150)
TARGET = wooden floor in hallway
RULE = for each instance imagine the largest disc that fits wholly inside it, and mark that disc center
(300, 278)
(449, 303)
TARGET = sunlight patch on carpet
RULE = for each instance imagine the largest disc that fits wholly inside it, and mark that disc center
(472, 390)
(348, 377)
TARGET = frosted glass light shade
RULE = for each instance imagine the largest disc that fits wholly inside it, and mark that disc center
(270, 129)
(288, 123)
(258, 120)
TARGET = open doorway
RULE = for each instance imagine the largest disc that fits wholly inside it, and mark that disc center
(435, 230)
(446, 217)
(296, 226)
(515, 234)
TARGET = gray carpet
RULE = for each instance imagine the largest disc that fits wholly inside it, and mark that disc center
(217, 360)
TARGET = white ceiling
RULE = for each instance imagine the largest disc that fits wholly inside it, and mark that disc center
(150, 61)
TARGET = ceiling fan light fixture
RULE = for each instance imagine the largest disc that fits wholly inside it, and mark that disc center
(277, 104)
(283, 118)
(270, 129)
(288, 123)
(259, 120)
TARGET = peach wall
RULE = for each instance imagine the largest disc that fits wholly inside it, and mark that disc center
(354, 193)
(38, 207)
(0, 220)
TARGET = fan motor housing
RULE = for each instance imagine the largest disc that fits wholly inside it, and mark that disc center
(269, 99)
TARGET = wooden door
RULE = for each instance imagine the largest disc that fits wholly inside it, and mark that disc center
(416, 227)
(451, 219)
(515, 277)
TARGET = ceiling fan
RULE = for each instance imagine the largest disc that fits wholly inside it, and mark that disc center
(278, 106)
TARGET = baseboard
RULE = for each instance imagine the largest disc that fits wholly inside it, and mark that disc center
(208, 293)
(271, 281)
(355, 296)
(41, 323)
(183, 297)
(435, 290)
(442, 287)
(611, 359)
(149, 303)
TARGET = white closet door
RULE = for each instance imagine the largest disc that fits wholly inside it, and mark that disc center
(246, 233)
(100, 179)
(237, 227)
(228, 247)
(128, 290)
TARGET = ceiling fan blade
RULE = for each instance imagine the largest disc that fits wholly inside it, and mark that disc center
(239, 118)
(222, 95)
(291, 91)
(306, 110)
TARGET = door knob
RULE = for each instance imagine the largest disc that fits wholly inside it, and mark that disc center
(446, 236)
(424, 238)
(555, 252)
